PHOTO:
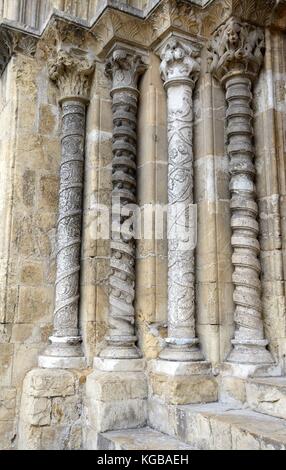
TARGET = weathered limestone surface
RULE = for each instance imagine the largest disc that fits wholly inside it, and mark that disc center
(267, 395)
(217, 426)
(141, 439)
(113, 401)
(50, 412)
(238, 187)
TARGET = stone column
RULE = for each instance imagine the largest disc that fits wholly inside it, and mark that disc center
(180, 369)
(124, 68)
(117, 390)
(236, 54)
(72, 75)
(180, 69)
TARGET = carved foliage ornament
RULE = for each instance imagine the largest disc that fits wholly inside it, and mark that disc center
(124, 68)
(72, 73)
(236, 47)
(179, 60)
(6, 49)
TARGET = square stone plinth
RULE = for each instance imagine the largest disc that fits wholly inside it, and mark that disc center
(116, 400)
(180, 389)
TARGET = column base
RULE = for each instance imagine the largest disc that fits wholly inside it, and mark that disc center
(182, 350)
(116, 397)
(118, 365)
(182, 383)
(250, 352)
(63, 353)
(49, 415)
(121, 348)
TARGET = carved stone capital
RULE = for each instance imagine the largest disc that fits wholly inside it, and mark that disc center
(236, 47)
(6, 48)
(179, 60)
(124, 68)
(72, 72)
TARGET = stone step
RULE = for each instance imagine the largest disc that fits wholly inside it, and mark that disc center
(139, 439)
(267, 395)
(218, 427)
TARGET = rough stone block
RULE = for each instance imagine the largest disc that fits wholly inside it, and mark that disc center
(113, 415)
(49, 383)
(267, 395)
(106, 386)
(61, 438)
(65, 410)
(7, 435)
(35, 411)
(7, 403)
(232, 390)
(184, 389)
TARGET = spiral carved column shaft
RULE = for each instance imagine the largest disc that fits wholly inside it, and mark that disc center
(237, 54)
(73, 77)
(179, 70)
(124, 68)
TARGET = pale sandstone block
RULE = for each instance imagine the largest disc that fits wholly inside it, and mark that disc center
(29, 437)
(242, 440)
(48, 119)
(32, 273)
(107, 387)
(35, 411)
(124, 414)
(35, 304)
(25, 187)
(207, 303)
(48, 195)
(7, 403)
(65, 410)
(267, 395)
(184, 389)
(6, 363)
(7, 435)
(61, 437)
(49, 383)
(232, 390)
(272, 268)
(31, 334)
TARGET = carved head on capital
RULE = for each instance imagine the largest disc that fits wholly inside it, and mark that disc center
(179, 60)
(236, 47)
(72, 72)
(124, 68)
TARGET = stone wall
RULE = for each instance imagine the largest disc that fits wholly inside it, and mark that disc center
(29, 177)
(30, 184)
